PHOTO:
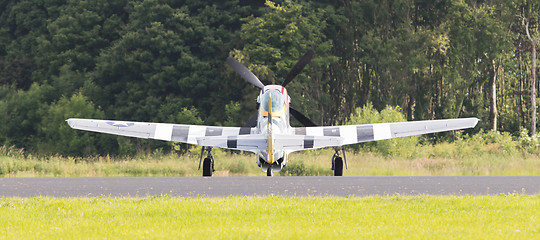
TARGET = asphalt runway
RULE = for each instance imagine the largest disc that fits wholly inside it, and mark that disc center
(265, 186)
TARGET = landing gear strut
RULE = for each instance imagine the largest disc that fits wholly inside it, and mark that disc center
(337, 162)
(208, 164)
(269, 172)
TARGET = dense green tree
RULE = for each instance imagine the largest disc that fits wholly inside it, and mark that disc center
(530, 16)
(75, 39)
(275, 41)
(163, 60)
(21, 113)
(17, 72)
(58, 138)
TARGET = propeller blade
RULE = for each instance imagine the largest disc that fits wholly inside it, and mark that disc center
(301, 118)
(252, 122)
(244, 72)
(298, 67)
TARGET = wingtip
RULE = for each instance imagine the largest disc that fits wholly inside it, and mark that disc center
(230, 60)
(70, 122)
(476, 122)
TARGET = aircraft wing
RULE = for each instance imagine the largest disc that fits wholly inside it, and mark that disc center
(352, 134)
(162, 131)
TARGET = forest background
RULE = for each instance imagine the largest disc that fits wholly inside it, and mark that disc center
(164, 61)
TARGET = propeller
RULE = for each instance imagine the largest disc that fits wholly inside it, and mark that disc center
(251, 78)
(252, 122)
(301, 118)
(244, 72)
(298, 67)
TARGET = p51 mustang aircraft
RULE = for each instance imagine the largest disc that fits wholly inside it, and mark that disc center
(268, 134)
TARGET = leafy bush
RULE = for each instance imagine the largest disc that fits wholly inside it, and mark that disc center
(21, 113)
(527, 143)
(59, 138)
(298, 168)
(404, 147)
(486, 142)
(482, 143)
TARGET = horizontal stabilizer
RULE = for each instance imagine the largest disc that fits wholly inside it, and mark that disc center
(297, 143)
(251, 143)
(259, 142)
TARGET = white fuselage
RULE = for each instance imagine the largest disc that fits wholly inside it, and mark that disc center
(273, 106)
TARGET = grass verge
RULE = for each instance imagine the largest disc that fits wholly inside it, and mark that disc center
(469, 156)
(425, 217)
(307, 163)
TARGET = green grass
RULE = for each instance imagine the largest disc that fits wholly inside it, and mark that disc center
(426, 217)
(311, 163)
(464, 157)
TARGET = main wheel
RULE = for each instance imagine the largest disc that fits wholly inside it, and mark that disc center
(338, 166)
(269, 172)
(207, 167)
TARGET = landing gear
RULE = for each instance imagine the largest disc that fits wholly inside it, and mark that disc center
(338, 166)
(337, 162)
(269, 172)
(208, 164)
(208, 167)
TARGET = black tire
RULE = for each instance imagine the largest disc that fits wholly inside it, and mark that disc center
(269, 172)
(207, 167)
(338, 166)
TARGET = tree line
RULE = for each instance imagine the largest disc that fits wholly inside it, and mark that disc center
(164, 61)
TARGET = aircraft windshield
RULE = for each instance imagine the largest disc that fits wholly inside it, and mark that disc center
(278, 103)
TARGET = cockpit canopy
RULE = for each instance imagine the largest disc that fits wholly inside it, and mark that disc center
(278, 103)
